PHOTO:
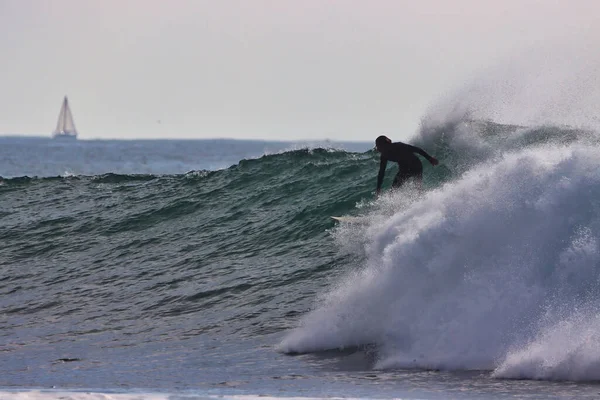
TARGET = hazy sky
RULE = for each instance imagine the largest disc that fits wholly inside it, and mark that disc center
(285, 69)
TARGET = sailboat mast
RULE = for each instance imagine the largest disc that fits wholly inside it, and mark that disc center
(64, 119)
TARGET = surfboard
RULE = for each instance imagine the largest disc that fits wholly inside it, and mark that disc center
(350, 219)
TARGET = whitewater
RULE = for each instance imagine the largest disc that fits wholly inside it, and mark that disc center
(495, 269)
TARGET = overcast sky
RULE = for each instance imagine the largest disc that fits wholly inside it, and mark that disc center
(282, 69)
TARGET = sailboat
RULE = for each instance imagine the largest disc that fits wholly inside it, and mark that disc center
(65, 127)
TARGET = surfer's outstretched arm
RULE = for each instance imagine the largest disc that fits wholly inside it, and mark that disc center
(382, 165)
(422, 152)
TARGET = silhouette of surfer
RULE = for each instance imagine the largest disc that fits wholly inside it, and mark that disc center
(409, 165)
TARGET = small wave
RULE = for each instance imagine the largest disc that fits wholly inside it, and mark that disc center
(119, 178)
(24, 180)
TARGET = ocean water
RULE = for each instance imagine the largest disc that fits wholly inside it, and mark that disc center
(212, 269)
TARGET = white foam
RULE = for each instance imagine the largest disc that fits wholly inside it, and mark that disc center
(566, 350)
(480, 274)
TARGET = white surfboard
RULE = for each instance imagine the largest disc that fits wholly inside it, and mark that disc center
(350, 219)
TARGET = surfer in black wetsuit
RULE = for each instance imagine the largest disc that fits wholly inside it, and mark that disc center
(410, 166)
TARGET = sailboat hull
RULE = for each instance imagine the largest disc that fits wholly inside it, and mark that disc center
(65, 136)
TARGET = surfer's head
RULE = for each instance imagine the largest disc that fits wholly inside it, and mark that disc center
(381, 142)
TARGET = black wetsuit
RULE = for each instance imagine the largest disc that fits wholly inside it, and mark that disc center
(409, 164)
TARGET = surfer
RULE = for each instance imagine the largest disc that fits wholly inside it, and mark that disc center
(410, 166)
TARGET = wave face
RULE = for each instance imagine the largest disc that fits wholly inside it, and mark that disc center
(112, 269)
(495, 268)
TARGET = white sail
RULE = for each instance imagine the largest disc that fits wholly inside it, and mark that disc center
(65, 127)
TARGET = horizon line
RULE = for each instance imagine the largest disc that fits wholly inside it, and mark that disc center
(16, 136)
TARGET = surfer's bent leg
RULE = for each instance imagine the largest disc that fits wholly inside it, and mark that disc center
(400, 179)
(402, 176)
